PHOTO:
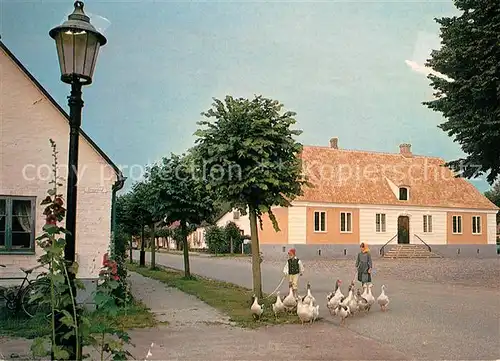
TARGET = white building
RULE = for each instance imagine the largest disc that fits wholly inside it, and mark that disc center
(29, 117)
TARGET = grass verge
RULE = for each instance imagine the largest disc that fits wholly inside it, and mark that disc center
(136, 315)
(230, 299)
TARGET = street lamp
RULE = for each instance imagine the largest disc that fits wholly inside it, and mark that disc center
(78, 44)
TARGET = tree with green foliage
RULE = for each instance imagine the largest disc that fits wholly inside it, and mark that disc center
(215, 239)
(126, 218)
(142, 211)
(234, 237)
(223, 240)
(250, 159)
(181, 196)
(468, 93)
(494, 196)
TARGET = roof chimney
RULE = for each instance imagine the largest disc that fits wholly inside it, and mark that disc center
(405, 149)
(334, 143)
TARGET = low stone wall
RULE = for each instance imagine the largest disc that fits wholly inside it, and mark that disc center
(466, 250)
(350, 251)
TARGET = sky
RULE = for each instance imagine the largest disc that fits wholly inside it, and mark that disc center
(349, 69)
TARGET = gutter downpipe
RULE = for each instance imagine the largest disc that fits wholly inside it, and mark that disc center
(114, 189)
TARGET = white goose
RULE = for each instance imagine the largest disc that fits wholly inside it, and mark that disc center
(256, 309)
(369, 296)
(278, 306)
(309, 298)
(350, 301)
(315, 313)
(334, 298)
(383, 299)
(290, 302)
(305, 311)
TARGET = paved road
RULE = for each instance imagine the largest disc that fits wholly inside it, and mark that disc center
(425, 321)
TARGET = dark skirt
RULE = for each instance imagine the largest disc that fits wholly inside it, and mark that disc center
(364, 277)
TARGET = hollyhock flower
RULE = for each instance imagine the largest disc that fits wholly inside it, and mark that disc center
(51, 219)
(105, 259)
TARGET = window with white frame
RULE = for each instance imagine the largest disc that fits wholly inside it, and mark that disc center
(403, 193)
(427, 223)
(345, 222)
(380, 222)
(319, 221)
(476, 225)
(456, 224)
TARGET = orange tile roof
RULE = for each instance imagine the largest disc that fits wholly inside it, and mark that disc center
(363, 177)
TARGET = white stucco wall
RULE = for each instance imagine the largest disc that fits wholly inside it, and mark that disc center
(243, 222)
(197, 239)
(492, 228)
(27, 121)
(367, 225)
(297, 225)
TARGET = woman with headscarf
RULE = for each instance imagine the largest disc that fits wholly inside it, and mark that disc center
(364, 264)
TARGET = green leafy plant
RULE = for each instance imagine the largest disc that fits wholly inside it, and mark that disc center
(109, 340)
(215, 239)
(466, 90)
(222, 240)
(118, 254)
(177, 196)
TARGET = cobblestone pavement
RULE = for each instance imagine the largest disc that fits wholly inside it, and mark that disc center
(440, 315)
(465, 271)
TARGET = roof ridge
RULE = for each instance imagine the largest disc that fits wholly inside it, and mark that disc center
(370, 152)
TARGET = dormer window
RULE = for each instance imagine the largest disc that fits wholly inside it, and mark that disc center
(403, 193)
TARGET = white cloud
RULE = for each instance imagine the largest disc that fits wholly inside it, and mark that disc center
(425, 43)
(425, 70)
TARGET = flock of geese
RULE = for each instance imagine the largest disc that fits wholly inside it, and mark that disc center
(338, 305)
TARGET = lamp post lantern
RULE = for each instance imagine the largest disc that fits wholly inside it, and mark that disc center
(77, 43)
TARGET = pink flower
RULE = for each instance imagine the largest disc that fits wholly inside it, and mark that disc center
(105, 259)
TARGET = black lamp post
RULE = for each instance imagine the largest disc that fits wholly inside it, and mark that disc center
(78, 44)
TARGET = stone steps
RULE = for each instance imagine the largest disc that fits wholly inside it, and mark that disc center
(410, 251)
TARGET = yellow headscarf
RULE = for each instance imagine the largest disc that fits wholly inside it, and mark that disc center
(364, 248)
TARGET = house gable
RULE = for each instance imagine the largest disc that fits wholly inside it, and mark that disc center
(29, 117)
(6, 57)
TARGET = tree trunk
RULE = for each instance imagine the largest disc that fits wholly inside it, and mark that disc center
(142, 253)
(131, 250)
(187, 271)
(231, 249)
(153, 247)
(256, 274)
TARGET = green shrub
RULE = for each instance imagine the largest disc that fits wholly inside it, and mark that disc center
(215, 239)
(219, 239)
(119, 255)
